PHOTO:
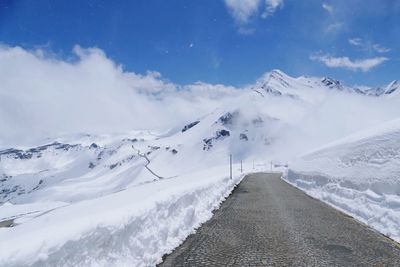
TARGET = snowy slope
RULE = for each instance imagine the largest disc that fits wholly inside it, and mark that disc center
(132, 227)
(63, 197)
(390, 90)
(359, 175)
(278, 83)
(139, 194)
(75, 192)
(75, 168)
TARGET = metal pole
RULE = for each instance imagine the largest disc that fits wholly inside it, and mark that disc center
(241, 166)
(230, 165)
(271, 165)
(253, 164)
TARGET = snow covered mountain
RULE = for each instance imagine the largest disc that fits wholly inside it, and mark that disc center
(93, 166)
(256, 124)
(91, 187)
(278, 83)
(120, 183)
(391, 89)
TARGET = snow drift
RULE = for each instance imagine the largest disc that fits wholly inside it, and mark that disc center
(359, 174)
(133, 227)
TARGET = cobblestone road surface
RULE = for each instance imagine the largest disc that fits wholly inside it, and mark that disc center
(267, 222)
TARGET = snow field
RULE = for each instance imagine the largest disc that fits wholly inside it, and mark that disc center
(133, 227)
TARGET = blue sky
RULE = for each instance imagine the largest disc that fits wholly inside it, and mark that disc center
(218, 41)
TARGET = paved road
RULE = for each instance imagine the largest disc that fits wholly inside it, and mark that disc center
(267, 222)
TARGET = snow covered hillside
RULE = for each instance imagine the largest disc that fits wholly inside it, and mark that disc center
(279, 83)
(84, 189)
(126, 199)
(359, 174)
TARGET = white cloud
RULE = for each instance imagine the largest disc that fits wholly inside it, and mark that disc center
(328, 8)
(43, 95)
(242, 10)
(355, 41)
(347, 63)
(380, 49)
(334, 27)
(368, 45)
(271, 6)
(207, 91)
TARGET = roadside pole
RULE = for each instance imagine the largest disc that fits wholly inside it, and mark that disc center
(271, 165)
(241, 166)
(230, 165)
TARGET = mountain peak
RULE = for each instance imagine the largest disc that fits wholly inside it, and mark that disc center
(392, 87)
(276, 73)
(330, 82)
(278, 83)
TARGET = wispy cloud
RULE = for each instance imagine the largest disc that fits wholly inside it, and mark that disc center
(355, 41)
(243, 10)
(334, 27)
(380, 49)
(368, 45)
(346, 63)
(328, 8)
(271, 6)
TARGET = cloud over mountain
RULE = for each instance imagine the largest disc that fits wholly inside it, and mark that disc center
(347, 63)
(43, 95)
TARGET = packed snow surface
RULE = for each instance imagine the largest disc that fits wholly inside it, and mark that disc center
(359, 174)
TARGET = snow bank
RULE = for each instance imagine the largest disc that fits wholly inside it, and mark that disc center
(360, 175)
(133, 227)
